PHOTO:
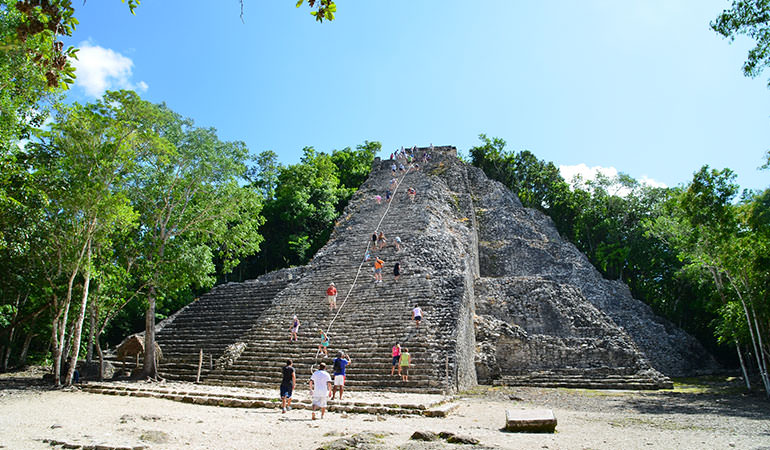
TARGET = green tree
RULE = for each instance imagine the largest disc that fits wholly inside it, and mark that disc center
(354, 166)
(84, 162)
(749, 18)
(192, 208)
(726, 241)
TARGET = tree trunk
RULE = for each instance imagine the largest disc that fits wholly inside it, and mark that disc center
(56, 351)
(78, 325)
(743, 367)
(91, 331)
(150, 369)
(757, 346)
(7, 350)
(25, 349)
(100, 353)
(763, 357)
(9, 345)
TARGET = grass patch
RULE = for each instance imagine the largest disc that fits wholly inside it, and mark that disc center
(713, 384)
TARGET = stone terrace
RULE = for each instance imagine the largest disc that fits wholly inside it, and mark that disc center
(505, 300)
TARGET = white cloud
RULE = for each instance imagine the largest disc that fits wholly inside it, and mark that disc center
(650, 182)
(590, 173)
(100, 69)
(585, 172)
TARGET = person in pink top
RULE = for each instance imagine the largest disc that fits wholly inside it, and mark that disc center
(396, 352)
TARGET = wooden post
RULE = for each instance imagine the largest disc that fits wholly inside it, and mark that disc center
(200, 363)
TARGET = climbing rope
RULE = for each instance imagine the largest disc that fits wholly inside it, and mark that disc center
(360, 266)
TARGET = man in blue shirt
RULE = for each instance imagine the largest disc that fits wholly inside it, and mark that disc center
(340, 364)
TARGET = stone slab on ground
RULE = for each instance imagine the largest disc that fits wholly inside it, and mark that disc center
(530, 420)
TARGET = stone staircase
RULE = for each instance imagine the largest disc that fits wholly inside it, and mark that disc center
(254, 320)
(603, 378)
(504, 299)
(213, 322)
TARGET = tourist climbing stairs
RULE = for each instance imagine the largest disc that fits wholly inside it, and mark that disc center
(244, 332)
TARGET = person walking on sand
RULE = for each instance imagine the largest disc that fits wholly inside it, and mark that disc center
(331, 296)
(295, 323)
(378, 263)
(320, 389)
(288, 383)
(404, 362)
(324, 345)
(396, 352)
(417, 315)
(340, 364)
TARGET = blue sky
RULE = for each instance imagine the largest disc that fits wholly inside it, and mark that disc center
(642, 87)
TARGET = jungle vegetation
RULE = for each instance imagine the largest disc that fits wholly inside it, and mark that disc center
(121, 211)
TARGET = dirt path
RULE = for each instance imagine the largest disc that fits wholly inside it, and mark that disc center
(586, 420)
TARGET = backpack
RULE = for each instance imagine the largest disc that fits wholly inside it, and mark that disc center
(337, 366)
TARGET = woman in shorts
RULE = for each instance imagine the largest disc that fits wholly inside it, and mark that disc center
(295, 323)
(396, 352)
(323, 347)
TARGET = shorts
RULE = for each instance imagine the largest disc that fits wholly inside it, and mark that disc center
(378, 270)
(418, 318)
(320, 400)
(395, 360)
(331, 298)
(325, 344)
(339, 380)
(286, 390)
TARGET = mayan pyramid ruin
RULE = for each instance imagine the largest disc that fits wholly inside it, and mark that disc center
(506, 300)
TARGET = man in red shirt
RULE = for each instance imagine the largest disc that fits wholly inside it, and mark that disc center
(331, 295)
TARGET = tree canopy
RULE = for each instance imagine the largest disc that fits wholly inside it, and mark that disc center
(749, 18)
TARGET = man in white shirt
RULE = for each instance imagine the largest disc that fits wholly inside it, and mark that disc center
(320, 389)
(417, 315)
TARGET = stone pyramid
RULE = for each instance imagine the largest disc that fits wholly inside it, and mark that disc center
(505, 298)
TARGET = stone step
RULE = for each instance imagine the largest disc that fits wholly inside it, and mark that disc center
(430, 406)
(632, 383)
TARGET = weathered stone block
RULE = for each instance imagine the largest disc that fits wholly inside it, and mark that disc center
(530, 421)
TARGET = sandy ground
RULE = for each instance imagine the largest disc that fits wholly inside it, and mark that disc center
(680, 419)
